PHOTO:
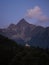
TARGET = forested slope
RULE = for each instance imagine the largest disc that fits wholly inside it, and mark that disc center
(13, 54)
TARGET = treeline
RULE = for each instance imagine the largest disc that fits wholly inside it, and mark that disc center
(13, 54)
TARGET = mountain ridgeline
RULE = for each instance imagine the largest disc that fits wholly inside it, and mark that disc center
(24, 32)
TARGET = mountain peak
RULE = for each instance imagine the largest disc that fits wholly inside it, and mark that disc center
(22, 19)
(22, 22)
(11, 25)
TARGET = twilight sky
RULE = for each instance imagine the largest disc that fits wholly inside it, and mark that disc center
(34, 11)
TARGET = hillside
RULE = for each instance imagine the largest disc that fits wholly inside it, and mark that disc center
(13, 54)
(7, 50)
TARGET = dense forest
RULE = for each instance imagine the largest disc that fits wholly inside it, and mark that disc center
(13, 54)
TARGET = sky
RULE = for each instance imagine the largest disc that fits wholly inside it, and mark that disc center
(34, 11)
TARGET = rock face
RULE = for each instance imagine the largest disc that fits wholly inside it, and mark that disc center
(24, 32)
(21, 30)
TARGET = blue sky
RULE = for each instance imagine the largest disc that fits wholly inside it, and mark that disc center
(11, 11)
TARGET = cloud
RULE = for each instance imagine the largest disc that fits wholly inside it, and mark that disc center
(37, 13)
(43, 18)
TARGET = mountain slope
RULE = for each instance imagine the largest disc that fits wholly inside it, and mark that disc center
(40, 38)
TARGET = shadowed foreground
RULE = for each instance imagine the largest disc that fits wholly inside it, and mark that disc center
(13, 54)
